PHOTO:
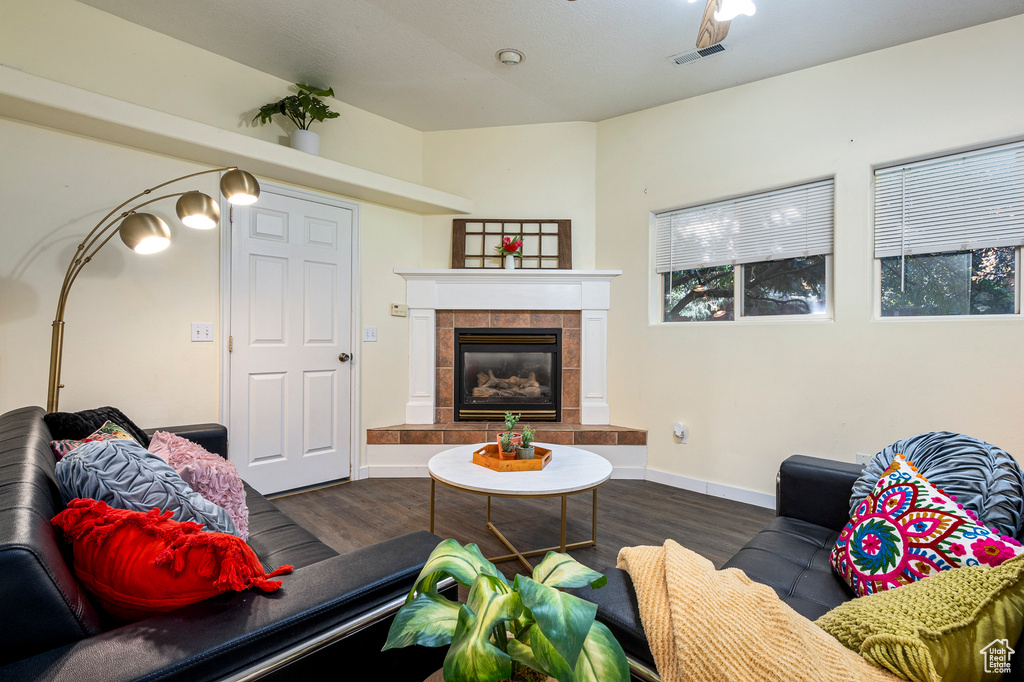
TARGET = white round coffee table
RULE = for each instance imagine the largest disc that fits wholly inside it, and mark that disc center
(571, 471)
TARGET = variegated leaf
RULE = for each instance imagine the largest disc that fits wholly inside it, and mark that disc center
(564, 619)
(429, 620)
(550, 660)
(450, 558)
(472, 657)
(561, 570)
(602, 658)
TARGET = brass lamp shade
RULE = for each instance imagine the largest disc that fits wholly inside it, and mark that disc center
(239, 187)
(197, 210)
(145, 233)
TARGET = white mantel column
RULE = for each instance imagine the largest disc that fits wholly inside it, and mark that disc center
(422, 338)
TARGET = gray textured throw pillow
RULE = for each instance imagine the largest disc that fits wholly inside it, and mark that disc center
(125, 475)
(984, 478)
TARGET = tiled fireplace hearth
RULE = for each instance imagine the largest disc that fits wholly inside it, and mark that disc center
(573, 304)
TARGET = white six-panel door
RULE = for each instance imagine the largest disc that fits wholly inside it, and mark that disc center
(291, 302)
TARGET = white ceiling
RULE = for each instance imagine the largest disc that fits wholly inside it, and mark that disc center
(430, 64)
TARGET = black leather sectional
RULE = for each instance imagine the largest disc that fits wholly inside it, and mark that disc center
(330, 618)
(791, 555)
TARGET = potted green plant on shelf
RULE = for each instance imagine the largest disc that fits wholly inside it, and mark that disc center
(525, 449)
(518, 631)
(302, 109)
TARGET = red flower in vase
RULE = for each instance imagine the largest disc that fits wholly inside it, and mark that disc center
(510, 246)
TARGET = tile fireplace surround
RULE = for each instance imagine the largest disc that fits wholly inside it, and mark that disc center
(575, 301)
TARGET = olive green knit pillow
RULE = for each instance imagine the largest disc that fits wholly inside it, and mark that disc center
(939, 627)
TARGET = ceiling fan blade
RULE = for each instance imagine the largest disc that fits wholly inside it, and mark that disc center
(711, 30)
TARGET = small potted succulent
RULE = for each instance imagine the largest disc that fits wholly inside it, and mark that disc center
(508, 446)
(515, 631)
(508, 442)
(525, 449)
(303, 110)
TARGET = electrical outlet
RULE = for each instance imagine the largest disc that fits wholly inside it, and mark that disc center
(863, 459)
(369, 333)
(681, 433)
(399, 310)
(202, 331)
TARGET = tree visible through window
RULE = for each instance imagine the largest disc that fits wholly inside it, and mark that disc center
(978, 282)
(948, 232)
(792, 286)
(758, 255)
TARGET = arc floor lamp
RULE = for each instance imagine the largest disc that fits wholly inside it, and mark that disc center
(144, 233)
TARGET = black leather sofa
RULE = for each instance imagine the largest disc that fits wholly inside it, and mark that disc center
(330, 617)
(791, 555)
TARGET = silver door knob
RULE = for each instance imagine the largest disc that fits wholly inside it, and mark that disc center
(344, 357)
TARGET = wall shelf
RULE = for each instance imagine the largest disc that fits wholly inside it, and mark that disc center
(40, 101)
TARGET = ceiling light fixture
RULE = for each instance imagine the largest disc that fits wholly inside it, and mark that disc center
(510, 57)
(730, 9)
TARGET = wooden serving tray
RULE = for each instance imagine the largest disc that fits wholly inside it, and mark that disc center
(487, 456)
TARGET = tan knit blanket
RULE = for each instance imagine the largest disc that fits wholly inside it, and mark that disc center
(704, 624)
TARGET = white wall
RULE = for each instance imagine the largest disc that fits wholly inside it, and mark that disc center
(529, 171)
(73, 43)
(751, 393)
(754, 393)
(128, 316)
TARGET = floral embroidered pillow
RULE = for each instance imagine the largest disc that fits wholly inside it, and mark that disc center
(907, 529)
(109, 431)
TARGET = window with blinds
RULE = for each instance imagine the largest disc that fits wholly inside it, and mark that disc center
(761, 254)
(784, 223)
(947, 232)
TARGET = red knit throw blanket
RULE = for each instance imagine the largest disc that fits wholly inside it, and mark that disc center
(143, 563)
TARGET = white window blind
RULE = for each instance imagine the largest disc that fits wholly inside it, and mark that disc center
(785, 223)
(953, 203)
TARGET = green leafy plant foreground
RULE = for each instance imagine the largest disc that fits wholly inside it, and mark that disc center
(505, 628)
(302, 109)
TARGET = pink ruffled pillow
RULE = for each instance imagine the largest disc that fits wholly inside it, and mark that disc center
(210, 475)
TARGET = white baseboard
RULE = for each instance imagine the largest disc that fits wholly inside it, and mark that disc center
(410, 461)
(628, 462)
(629, 473)
(714, 489)
(398, 471)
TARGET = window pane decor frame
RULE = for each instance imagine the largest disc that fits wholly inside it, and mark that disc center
(960, 202)
(547, 244)
(784, 223)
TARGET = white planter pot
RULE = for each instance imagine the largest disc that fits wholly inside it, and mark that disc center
(510, 261)
(305, 141)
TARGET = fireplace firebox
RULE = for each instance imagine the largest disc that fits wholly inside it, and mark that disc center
(508, 370)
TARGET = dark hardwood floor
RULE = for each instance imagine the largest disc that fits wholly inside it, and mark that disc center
(352, 515)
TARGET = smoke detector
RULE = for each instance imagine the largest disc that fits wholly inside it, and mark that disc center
(509, 57)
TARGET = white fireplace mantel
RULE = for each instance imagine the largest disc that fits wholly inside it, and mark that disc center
(588, 291)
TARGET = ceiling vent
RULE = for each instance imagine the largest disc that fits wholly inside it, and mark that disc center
(694, 55)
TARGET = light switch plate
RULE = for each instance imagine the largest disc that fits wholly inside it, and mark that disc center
(369, 333)
(202, 331)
